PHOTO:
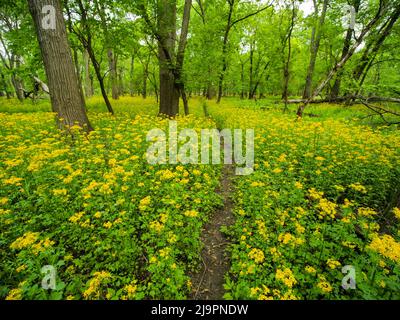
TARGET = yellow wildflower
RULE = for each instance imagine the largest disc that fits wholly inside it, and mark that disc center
(14, 294)
(257, 255)
(386, 246)
(333, 264)
(286, 276)
(25, 241)
(191, 213)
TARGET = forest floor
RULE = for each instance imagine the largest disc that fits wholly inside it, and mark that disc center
(208, 282)
(96, 210)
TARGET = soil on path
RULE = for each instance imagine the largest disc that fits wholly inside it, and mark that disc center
(208, 283)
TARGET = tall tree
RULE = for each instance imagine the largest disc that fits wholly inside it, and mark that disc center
(170, 63)
(88, 79)
(383, 8)
(315, 45)
(374, 46)
(346, 48)
(84, 33)
(230, 23)
(288, 42)
(67, 100)
(112, 59)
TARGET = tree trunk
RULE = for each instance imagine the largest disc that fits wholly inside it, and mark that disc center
(169, 95)
(286, 72)
(88, 80)
(242, 93)
(225, 52)
(121, 86)
(131, 76)
(343, 61)
(18, 87)
(65, 94)
(87, 44)
(145, 77)
(346, 48)
(17, 81)
(100, 78)
(112, 64)
(78, 71)
(155, 86)
(179, 82)
(374, 47)
(4, 86)
(251, 95)
(315, 44)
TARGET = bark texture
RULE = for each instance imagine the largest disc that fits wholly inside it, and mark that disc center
(67, 100)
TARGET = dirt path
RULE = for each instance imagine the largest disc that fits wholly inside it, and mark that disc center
(208, 283)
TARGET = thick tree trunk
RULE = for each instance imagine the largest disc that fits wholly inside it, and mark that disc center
(169, 95)
(315, 44)
(66, 97)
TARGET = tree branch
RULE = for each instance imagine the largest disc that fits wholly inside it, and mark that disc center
(250, 15)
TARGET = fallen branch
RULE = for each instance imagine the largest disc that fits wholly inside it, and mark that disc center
(381, 112)
(345, 99)
(44, 86)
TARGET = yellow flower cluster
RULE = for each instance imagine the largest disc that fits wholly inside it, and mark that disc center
(14, 294)
(76, 217)
(358, 187)
(144, 203)
(333, 264)
(286, 276)
(310, 270)
(93, 290)
(396, 212)
(166, 174)
(327, 209)
(386, 246)
(191, 214)
(314, 194)
(257, 255)
(130, 290)
(288, 238)
(13, 181)
(42, 245)
(324, 285)
(262, 229)
(25, 241)
(366, 212)
(60, 192)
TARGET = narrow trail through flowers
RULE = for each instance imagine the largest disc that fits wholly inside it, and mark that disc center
(208, 283)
